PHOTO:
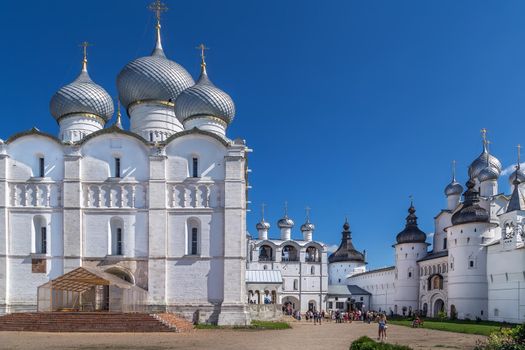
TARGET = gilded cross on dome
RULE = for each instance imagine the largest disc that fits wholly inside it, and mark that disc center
(158, 8)
(84, 45)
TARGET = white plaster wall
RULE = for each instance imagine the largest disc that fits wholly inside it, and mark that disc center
(24, 155)
(155, 118)
(97, 233)
(407, 275)
(506, 284)
(209, 152)
(381, 286)
(340, 271)
(99, 155)
(76, 127)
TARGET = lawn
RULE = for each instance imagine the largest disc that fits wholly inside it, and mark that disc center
(455, 326)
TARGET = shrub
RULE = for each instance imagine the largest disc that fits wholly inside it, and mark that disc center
(442, 315)
(505, 339)
(365, 343)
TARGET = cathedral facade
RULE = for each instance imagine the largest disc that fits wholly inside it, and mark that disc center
(476, 268)
(162, 206)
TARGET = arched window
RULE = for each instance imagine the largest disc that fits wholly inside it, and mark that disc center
(116, 241)
(41, 166)
(193, 228)
(40, 235)
(290, 253)
(312, 254)
(295, 284)
(194, 166)
(265, 253)
(312, 270)
(435, 282)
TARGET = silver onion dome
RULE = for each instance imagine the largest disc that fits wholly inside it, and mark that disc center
(285, 222)
(453, 189)
(152, 78)
(82, 96)
(262, 225)
(520, 173)
(484, 160)
(307, 226)
(488, 173)
(204, 99)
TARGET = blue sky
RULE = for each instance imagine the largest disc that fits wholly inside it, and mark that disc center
(350, 106)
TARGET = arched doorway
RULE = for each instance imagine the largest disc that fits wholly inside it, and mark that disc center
(312, 305)
(439, 306)
(290, 304)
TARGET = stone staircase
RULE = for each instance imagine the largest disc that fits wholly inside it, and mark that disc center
(92, 322)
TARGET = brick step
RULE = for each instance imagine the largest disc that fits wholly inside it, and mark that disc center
(85, 322)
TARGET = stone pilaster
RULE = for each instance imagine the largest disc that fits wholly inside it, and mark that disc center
(157, 227)
(233, 309)
(72, 210)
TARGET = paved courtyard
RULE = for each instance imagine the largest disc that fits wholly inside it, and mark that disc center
(303, 335)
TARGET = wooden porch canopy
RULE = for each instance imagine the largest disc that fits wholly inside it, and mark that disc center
(82, 279)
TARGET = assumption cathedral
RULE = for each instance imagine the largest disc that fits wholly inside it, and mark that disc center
(154, 206)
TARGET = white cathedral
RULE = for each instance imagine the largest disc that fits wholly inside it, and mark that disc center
(163, 206)
(476, 268)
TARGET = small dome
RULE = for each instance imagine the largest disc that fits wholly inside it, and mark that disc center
(453, 189)
(307, 226)
(285, 222)
(204, 99)
(470, 211)
(262, 225)
(488, 173)
(82, 96)
(152, 78)
(484, 160)
(521, 176)
(411, 233)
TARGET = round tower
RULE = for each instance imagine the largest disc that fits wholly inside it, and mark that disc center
(410, 247)
(467, 270)
(346, 260)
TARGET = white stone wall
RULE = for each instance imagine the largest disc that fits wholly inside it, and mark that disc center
(340, 271)
(380, 284)
(153, 200)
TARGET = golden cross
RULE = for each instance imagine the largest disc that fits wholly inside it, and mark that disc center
(84, 45)
(411, 200)
(158, 7)
(454, 170)
(308, 213)
(262, 210)
(203, 49)
(285, 208)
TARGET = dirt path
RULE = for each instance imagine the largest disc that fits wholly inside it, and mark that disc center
(303, 335)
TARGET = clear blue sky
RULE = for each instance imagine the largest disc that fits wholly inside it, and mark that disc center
(350, 106)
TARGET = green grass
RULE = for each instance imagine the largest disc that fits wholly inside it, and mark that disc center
(481, 328)
(365, 343)
(255, 325)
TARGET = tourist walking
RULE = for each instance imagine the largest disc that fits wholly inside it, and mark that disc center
(381, 332)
